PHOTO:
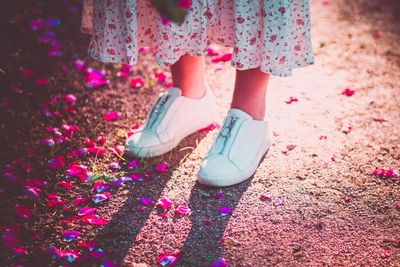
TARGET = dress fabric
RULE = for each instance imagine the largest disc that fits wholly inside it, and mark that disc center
(271, 34)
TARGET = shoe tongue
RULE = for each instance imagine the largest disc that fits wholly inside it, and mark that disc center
(239, 113)
(174, 91)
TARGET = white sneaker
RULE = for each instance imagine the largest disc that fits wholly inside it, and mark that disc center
(172, 118)
(237, 151)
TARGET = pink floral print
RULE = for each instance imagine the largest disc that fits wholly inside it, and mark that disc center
(271, 34)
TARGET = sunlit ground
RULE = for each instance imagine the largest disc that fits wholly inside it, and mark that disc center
(327, 193)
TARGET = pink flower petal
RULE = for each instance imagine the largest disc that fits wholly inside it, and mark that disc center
(162, 167)
(291, 100)
(79, 200)
(379, 118)
(111, 116)
(132, 164)
(65, 184)
(22, 211)
(144, 200)
(56, 163)
(101, 197)
(224, 211)
(182, 210)
(70, 235)
(86, 211)
(137, 82)
(164, 203)
(348, 92)
(99, 151)
(166, 259)
(94, 219)
(209, 128)
(220, 262)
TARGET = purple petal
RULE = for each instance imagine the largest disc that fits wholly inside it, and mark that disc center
(86, 211)
(225, 210)
(70, 235)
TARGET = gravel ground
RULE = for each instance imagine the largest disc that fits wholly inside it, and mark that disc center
(312, 202)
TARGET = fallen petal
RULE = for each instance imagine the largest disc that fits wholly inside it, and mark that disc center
(224, 211)
(220, 262)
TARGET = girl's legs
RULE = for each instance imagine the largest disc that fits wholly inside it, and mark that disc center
(250, 85)
(250, 91)
(188, 75)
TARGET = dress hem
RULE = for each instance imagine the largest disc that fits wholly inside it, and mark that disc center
(275, 72)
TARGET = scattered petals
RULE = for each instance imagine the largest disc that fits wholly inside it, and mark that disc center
(167, 260)
(224, 211)
(291, 100)
(111, 116)
(86, 211)
(56, 163)
(101, 197)
(94, 219)
(162, 167)
(22, 211)
(347, 91)
(164, 203)
(137, 82)
(220, 262)
(182, 210)
(70, 235)
(65, 184)
(380, 118)
(79, 200)
(144, 200)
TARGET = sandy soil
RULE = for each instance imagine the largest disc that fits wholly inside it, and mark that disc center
(335, 213)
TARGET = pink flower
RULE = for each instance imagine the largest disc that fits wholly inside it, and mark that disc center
(162, 167)
(291, 99)
(56, 163)
(70, 98)
(79, 200)
(22, 211)
(210, 127)
(167, 259)
(182, 210)
(347, 91)
(160, 77)
(94, 219)
(111, 116)
(220, 262)
(223, 58)
(224, 211)
(164, 203)
(41, 81)
(137, 82)
(379, 118)
(86, 211)
(144, 200)
(65, 184)
(98, 151)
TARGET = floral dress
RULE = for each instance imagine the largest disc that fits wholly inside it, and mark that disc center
(271, 34)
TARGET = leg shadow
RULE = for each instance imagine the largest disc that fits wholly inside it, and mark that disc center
(118, 235)
(204, 242)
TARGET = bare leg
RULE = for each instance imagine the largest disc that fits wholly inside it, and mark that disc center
(250, 91)
(188, 75)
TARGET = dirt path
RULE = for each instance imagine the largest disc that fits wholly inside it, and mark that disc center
(313, 201)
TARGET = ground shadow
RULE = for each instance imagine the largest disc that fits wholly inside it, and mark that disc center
(118, 235)
(205, 241)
